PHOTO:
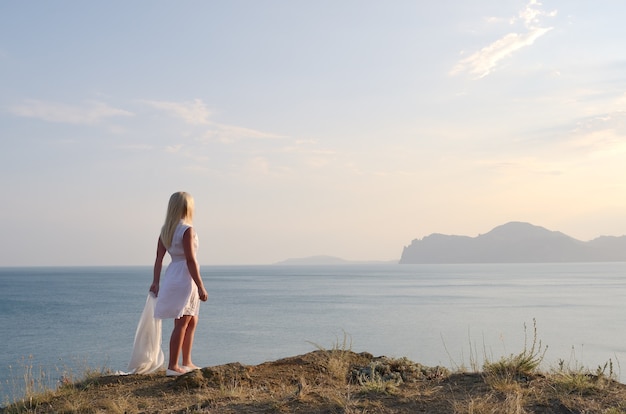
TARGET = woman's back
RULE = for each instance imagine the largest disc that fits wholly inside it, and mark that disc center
(176, 250)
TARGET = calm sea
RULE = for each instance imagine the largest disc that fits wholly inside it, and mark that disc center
(58, 320)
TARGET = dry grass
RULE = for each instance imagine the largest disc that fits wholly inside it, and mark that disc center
(339, 380)
(516, 367)
(336, 381)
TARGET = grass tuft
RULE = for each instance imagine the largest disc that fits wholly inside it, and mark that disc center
(338, 363)
(579, 380)
(40, 385)
(517, 367)
(377, 383)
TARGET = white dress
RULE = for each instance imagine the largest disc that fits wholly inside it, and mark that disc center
(178, 293)
(147, 356)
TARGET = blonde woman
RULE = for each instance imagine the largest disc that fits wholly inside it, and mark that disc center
(181, 290)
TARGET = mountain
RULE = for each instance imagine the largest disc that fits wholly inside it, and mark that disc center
(514, 242)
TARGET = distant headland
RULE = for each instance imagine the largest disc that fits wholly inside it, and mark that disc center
(514, 242)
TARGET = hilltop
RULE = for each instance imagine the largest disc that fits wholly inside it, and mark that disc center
(514, 242)
(341, 381)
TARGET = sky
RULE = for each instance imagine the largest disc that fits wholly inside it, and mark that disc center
(329, 127)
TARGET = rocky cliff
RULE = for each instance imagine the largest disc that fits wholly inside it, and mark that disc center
(514, 242)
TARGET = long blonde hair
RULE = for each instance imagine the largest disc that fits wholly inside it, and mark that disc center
(179, 208)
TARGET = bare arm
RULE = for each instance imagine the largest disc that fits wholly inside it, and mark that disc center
(192, 263)
(158, 264)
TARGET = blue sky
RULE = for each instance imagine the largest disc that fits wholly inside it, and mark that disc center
(346, 128)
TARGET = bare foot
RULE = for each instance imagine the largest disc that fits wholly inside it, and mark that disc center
(176, 368)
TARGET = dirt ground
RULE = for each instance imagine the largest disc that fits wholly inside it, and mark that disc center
(334, 381)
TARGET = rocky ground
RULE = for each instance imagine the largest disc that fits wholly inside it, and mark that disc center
(335, 381)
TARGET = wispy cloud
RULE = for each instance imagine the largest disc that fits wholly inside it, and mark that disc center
(195, 112)
(135, 147)
(229, 133)
(531, 13)
(483, 62)
(515, 166)
(92, 112)
(261, 166)
(601, 136)
(172, 149)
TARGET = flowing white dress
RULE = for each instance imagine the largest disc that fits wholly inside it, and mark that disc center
(147, 356)
(178, 294)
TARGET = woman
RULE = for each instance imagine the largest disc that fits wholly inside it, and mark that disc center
(179, 293)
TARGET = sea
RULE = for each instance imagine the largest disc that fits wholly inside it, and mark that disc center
(60, 322)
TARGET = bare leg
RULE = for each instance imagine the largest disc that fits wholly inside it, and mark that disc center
(176, 341)
(188, 342)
